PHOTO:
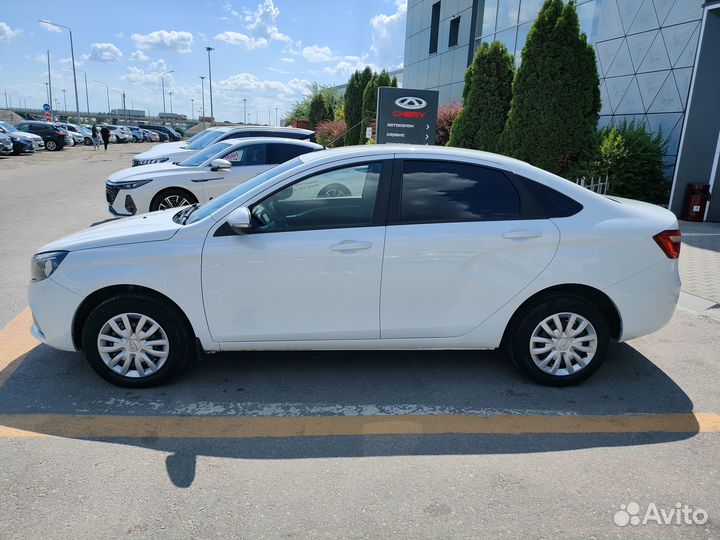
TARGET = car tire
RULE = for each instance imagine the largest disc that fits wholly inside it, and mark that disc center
(87, 141)
(560, 340)
(334, 190)
(51, 145)
(172, 198)
(129, 363)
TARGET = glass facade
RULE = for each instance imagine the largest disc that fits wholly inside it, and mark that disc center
(645, 50)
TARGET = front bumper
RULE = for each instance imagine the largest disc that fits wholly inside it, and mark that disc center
(120, 201)
(53, 308)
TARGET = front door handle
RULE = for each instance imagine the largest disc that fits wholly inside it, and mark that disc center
(207, 179)
(350, 245)
(521, 234)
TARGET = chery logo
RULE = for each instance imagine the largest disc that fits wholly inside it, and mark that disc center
(411, 103)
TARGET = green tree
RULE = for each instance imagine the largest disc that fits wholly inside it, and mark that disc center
(393, 82)
(486, 99)
(353, 104)
(319, 111)
(369, 102)
(556, 95)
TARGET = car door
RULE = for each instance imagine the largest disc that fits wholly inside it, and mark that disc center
(247, 161)
(457, 248)
(310, 267)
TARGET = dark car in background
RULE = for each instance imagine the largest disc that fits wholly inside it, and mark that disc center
(22, 142)
(173, 136)
(55, 137)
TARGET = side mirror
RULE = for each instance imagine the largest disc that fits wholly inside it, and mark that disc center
(218, 164)
(240, 220)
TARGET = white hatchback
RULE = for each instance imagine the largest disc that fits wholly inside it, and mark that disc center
(199, 178)
(371, 247)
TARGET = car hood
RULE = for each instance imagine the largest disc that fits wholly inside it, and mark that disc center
(26, 135)
(162, 150)
(152, 227)
(147, 171)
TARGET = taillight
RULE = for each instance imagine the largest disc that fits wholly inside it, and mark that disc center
(669, 241)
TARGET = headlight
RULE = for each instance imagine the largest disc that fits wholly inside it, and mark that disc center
(130, 185)
(44, 264)
(151, 161)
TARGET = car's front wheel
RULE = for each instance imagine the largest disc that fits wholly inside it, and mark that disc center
(560, 341)
(51, 145)
(136, 341)
(172, 198)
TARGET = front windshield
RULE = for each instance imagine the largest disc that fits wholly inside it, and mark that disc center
(204, 210)
(7, 127)
(201, 140)
(204, 155)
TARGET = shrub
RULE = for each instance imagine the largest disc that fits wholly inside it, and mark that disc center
(369, 102)
(329, 131)
(353, 104)
(319, 111)
(486, 99)
(446, 117)
(632, 158)
(555, 94)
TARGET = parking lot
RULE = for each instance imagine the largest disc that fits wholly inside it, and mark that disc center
(364, 444)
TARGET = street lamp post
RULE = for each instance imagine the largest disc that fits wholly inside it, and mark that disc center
(64, 101)
(72, 57)
(171, 108)
(212, 113)
(276, 117)
(202, 83)
(87, 96)
(49, 83)
(107, 89)
(244, 111)
(192, 109)
(162, 80)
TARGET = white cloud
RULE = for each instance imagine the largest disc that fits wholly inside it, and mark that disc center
(280, 71)
(50, 27)
(67, 63)
(263, 22)
(287, 60)
(104, 52)
(119, 35)
(349, 65)
(247, 82)
(236, 38)
(317, 54)
(150, 75)
(7, 34)
(180, 41)
(388, 33)
(139, 56)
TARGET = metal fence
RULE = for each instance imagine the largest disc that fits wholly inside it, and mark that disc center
(597, 184)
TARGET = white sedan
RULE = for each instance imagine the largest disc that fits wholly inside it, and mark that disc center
(368, 247)
(199, 178)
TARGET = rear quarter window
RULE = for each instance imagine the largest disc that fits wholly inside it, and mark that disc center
(552, 202)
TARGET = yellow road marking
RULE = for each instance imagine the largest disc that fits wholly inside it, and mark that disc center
(240, 427)
(15, 342)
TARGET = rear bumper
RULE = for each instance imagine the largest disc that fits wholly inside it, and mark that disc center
(646, 301)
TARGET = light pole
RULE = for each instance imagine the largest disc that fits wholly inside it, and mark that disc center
(276, 117)
(162, 80)
(202, 83)
(65, 101)
(107, 89)
(171, 109)
(122, 103)
(192, 109)
(212, 114)
(87, 96)
(72, 57)
(244, 111)
(49, 83)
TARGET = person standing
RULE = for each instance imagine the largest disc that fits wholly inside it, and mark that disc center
(94, 137)
(105, 134)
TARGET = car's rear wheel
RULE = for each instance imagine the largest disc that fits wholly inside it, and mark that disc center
(51, 145)
(136, 341)
(560, 341)
(172, 198)
(87, 141)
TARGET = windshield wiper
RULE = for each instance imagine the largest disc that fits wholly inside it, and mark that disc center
(188, 212)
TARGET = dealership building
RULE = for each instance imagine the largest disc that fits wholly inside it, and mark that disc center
(658, 63)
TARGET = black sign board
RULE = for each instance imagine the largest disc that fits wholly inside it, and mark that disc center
(406, 116)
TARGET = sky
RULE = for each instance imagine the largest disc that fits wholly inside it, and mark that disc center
(266, 51)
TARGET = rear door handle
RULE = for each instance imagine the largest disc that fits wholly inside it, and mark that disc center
(350, 245)
(521, 234)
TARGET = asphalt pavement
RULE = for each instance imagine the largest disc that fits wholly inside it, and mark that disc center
(377, 444)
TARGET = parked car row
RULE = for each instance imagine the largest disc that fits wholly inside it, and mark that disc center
(32, 135)
(264, 240)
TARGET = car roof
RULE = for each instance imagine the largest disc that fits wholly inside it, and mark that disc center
(278, 129)
(274, 140)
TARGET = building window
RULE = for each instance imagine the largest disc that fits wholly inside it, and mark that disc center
(434, 28)
(454, 31)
